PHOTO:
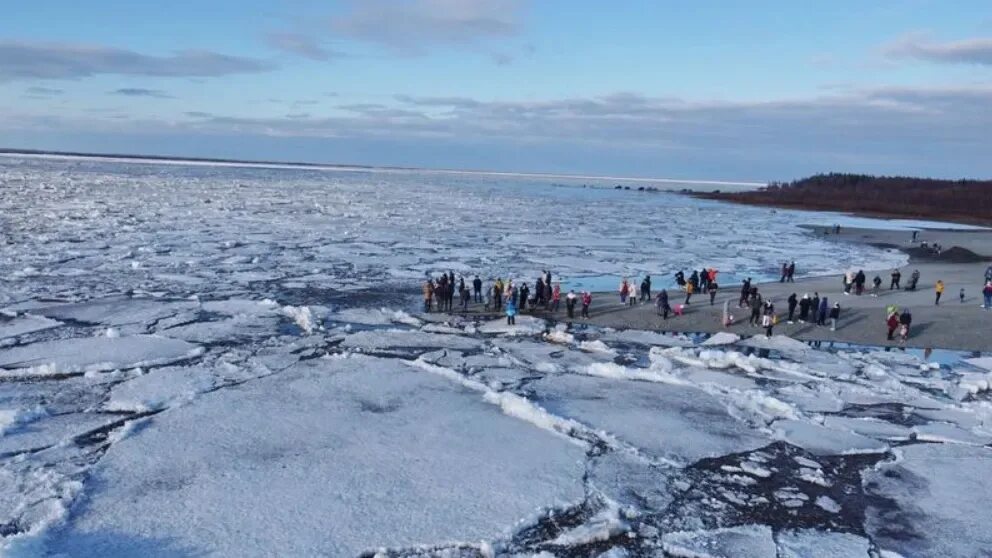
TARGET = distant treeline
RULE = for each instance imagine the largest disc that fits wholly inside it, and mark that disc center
(966, 201)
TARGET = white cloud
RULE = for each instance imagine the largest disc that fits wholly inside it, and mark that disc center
(967, 51)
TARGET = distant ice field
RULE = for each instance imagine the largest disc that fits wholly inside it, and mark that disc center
(222, 361)
(82, 227)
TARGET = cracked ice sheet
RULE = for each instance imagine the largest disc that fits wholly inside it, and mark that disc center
(24, 324)
(116, 311)
(287, 462)
(820, 440)
(93, 354)
(744, 541)
(679, 423)
(809, 543)
(933, 501)
(160, 388)
(404, 339)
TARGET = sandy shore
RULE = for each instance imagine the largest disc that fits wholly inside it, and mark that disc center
(951, 325)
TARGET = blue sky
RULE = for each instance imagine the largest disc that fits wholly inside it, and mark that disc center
(762, 90)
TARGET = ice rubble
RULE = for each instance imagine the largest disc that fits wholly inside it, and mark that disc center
(347, 450)
(89, 354)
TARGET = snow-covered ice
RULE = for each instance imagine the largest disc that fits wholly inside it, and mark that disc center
(229, 361)
(346, 448)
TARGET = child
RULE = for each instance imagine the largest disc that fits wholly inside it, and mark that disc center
(961, 295)
(511, 312)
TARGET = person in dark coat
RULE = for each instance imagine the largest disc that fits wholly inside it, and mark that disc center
(712, 287)
(859, 283)
(646, 289)
(790, 276)
(821, 318)
(906, 319)
(662, 304)
(524, 293)
(538, 292)
(834, 316)
(793, 302)
(804, 303)
(745, 291)
(814, 307)
(896, 276)
(477, 288)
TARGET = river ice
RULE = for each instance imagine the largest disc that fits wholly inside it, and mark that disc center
(232, 362)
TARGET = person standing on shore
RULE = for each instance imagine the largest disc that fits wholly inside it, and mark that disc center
(875, 284)
(792, 301)
(905, 320)
(814, 307)
(804, 308)
(896, 276)
(428, 295)
(646, 289)
(892, 322)
(745, 290)
(785, 272)
(661, 303)
(689, 289)
(848, 280)
(821, 318)
(556, 297)
(586, 302)
(511, 312)
(570, 300)
(767, 321)
(465, 295)
(624, 291)
(859, 283)
(987, 294)
(914, 278)
(961, 295)
(477, 288)
(790, 277)
(834, 316)
(524, 295)
(498, 294)
(939, 289)
(712, 288)
(756, 306)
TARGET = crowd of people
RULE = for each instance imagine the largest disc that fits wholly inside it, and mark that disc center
(504, 296)
(507, 297)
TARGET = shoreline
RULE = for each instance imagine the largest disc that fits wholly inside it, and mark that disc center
(952, 325)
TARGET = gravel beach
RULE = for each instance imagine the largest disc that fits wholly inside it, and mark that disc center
(951, 325)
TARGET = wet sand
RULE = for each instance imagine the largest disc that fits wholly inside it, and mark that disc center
(951, 325)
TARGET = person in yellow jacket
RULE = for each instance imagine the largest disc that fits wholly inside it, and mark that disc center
(940, 290)
(689, 289)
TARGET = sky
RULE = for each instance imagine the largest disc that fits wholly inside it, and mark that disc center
(721, 90)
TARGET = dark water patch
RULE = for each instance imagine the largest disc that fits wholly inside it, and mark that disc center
(774, 486)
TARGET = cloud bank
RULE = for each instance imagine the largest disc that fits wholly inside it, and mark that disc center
(23, 60)
(967, 51)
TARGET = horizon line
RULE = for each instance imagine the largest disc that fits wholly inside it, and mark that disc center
(170, 159)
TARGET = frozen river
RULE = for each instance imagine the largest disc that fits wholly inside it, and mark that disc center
(223, 361)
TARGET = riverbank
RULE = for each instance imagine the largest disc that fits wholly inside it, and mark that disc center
(951, 325)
